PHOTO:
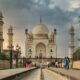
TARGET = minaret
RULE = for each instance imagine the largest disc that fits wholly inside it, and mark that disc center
(71, 42)
(10, 37)
(1, 32)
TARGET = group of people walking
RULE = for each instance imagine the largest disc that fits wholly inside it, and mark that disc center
(66, 63)
(58, 64)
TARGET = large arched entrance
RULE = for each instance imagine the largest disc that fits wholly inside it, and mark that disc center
(41, 50)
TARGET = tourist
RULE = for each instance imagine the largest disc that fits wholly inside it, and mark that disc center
(56, 64)
(65, 63)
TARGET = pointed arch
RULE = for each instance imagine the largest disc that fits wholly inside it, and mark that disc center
(41, 50)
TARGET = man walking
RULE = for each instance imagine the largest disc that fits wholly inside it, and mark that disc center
(67, 62)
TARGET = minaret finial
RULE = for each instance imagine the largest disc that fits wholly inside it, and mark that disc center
(40, 19)
(79, 19)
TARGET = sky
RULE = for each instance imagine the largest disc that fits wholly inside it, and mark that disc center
(59, 14)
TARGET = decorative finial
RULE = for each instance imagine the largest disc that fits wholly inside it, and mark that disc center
(55, 31)
(1, 16)
(71, 28)
(10, 27)
(40, 19)
(79, 19)
(26, 31)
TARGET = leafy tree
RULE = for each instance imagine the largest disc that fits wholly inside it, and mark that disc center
(76, 54)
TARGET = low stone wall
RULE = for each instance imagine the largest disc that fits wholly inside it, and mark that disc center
(76, 64)
(4, 64)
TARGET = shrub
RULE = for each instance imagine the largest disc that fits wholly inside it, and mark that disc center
(76, 54)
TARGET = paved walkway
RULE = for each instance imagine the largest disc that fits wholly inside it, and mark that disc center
(34, 75)
(50, 75)
(10, 72)
(72, 74)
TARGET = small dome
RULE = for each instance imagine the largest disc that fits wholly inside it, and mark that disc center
(10, 27)
(71, 28)
(40, 29)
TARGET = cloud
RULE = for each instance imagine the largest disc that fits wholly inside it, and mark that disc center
(67, 5)
(73, 4)
(51, 5)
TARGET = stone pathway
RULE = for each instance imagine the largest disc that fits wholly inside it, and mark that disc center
(49, 75)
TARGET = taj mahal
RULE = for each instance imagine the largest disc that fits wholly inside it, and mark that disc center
(40, 42)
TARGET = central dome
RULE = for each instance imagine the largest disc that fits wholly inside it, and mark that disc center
(40, 29)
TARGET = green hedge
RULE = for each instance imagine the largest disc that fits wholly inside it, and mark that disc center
(76, 54)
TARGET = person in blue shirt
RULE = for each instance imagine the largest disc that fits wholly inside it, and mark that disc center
(65, 63)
